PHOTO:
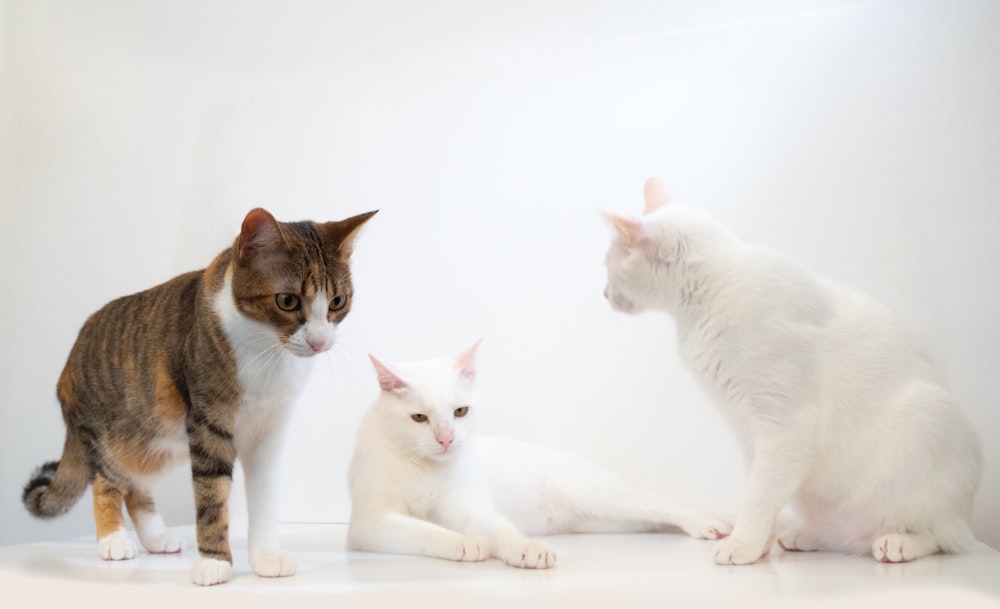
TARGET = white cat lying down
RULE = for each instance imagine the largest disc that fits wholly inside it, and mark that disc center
(422, 483)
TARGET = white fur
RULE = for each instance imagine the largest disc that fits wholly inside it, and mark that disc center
(479, 497)
(272, 374)
(116, 546)
(840, 408)
(153, 534)
(211, 571)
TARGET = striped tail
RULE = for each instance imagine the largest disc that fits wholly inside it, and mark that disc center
(57, 485)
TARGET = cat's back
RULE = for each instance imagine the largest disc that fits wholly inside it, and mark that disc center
(168, 304)
(133, 351)
(525, 477)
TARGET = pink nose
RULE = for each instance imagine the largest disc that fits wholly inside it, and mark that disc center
(605, 292)
(316, 344)
(445, 437)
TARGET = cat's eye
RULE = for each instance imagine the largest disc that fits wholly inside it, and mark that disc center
(338, 302)
(419, 418)
(461, 411)
(287, 302)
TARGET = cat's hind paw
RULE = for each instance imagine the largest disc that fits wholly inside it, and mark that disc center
(733, 551)
(528, 554)
(167, 543)
(899, 547)
(798, 541)
(116, 546)
(211, 571)
(272, 563)
(705, 527)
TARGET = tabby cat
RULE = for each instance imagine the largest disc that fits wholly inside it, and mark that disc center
(205, 366)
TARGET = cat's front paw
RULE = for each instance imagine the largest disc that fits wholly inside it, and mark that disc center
(116, 546)
(211, 571)
(528, 554)
(798, 541)
(462, 549)
(272, 563)
(705, 527)
(734, 551)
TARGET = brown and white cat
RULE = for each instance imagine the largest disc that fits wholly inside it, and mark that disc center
(205, 366)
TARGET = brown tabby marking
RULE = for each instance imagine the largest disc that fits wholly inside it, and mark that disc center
(169, 404)
(152, 378)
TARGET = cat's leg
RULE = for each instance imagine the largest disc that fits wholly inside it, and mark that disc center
(261, 465)
(113, 541)
(781, 455)
(904, 547)
(149, 524)
(395, 533)
(212, 459)
(799, 540)
(516, 550)
(609, 505)
(692, 522)
(506, 541)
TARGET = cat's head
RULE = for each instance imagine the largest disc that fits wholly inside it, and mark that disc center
(294, 278)
(650, 251)
(429, 407)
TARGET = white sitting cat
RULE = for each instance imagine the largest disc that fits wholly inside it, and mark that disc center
(422, 483)
(841, 410)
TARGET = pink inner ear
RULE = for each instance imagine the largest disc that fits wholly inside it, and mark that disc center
(260, 235)
(655, 195)
(629, 229)
(388, 379)
(467, 362)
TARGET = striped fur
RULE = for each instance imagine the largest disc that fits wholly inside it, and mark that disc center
(154, 379)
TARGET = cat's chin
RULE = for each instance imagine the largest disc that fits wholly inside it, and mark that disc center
(442, 456)
(623, 307)
(306, 352)
(619, 304)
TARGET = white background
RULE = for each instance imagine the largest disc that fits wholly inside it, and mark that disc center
(860, 137)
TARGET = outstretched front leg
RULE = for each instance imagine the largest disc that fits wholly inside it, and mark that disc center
(397, 533)
(506, 542)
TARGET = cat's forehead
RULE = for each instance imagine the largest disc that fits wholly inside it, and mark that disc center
(312, 264)
(434, 384)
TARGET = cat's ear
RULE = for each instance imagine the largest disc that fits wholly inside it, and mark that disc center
(340, 235)
(655, 195)
(466, 362)
(388, 379)
(629, 229)
(260, 236)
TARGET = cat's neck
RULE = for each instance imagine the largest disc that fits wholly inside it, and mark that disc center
(699, 281)
(264, 366)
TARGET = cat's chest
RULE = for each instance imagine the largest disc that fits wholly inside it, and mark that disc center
(712, 347)
(432, 492)
(270, 376)
(269, 390)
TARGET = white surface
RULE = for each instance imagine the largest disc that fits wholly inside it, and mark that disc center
(859, 136)
(593, 571)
